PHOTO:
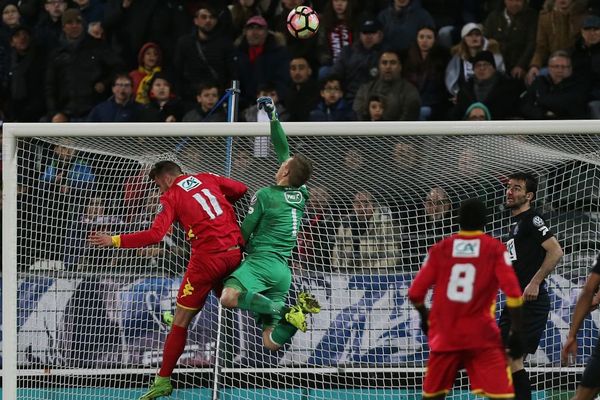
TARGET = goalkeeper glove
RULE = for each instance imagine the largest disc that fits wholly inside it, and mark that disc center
(515, 344)
(266, 103)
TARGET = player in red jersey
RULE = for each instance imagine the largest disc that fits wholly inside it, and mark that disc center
(202, 205)
(466, 269)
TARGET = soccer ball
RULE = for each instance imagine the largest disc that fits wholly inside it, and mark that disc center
(303, 22)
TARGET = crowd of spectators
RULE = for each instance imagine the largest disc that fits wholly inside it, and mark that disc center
(171, 60)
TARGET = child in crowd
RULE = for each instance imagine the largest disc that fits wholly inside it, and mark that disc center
(164, 106)
(332, 106)
(376, 108)
(207, 96)
(253, 114)
(150, 61)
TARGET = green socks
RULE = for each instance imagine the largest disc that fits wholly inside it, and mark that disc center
(259, 304)
(283, 332)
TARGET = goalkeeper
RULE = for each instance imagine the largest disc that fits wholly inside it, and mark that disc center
(262, 282)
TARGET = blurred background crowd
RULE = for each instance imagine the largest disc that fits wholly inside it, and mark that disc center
(172, 60)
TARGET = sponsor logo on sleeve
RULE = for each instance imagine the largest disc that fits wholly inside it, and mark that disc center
(293, 197)
(189, 183)
(159, 208)
(539, 223)
(466, 248)
(512, 251)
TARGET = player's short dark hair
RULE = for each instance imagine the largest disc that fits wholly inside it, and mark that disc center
(300, 170)
(531, 181)
(377, 98)
(472, 215)
(121, 75)
(166, 167)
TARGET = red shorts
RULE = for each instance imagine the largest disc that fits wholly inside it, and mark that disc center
(206, 272)
(488, 372)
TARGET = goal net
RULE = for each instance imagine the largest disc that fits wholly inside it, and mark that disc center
(85, 323)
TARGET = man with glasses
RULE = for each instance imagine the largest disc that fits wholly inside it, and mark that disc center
(488, 86)
(558, 95)
(120, 107)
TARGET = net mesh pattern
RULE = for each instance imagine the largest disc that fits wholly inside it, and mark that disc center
(89, 319)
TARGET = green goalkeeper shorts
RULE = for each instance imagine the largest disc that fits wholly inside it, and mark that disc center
(264, 273)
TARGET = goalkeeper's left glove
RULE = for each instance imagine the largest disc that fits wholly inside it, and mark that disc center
(266, 103)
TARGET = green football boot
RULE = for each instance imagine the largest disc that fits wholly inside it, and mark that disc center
(308, 303)
(160, 387)
(296, 317)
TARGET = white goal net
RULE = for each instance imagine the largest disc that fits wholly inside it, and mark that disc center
(84, 323)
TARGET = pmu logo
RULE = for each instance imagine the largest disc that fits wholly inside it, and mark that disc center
(294, 197)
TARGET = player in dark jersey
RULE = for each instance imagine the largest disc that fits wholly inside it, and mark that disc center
(588, 301)
(202, 205)
(466, 271)
(534, 252)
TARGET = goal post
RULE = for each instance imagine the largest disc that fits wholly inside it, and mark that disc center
(81, 323)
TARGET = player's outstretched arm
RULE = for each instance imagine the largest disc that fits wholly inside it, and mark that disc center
(585, 303)
(278, 137)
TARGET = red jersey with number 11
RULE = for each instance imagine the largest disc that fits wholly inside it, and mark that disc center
(202, 205)
(466, 270)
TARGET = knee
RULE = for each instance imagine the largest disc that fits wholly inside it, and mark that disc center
(229, 298)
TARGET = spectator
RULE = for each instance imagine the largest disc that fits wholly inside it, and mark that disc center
(585, 57)
(425, 67)
(376, 109)
(92, 11)
(303, 94)
(49, 27)
(242, 11)
(332, 106)
(204, 54)
(446, 16)
(558, 26)
(499, 93)
(401, 21)
(513, 27)
(149, 63)
(460, 69)
(120, 107)
(317, 237)
(365, 241)
(64, 181)
(357, 63)
(79, 71)
(164, 106)
(26, 78)
(79, 254)
(207, 96)
(477, 112)
(337, 30)
(261, 57)
(11, 18)
(253, 114)
(558, 95)
(401, 97)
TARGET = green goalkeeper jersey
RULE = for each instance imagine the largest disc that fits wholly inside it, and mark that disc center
(275, 212)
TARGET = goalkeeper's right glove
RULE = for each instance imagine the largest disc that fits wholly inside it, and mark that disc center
(516, 347)
(266, 103)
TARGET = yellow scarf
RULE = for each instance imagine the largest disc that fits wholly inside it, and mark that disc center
(143, 89)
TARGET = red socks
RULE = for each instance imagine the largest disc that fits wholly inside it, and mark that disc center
(174, 346)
